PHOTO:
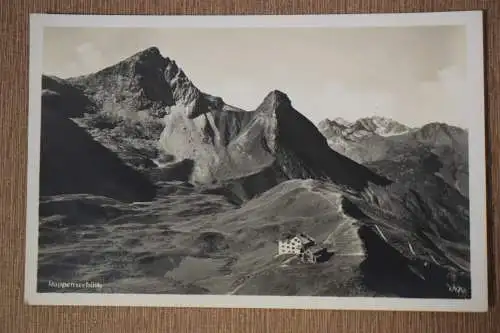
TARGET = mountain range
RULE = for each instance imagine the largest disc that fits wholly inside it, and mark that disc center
(378, 143)
(208, 188)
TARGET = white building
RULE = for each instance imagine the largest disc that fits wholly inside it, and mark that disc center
(294, 244)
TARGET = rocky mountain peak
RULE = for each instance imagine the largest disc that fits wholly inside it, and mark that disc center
(438, 127)
(277, 97)
(363, 127)
(144, 81)
(441, 133)
(330, 128)
(341, 121)
(382, 126)
(142, 63)
(150, 54)
(273, 100)
(182, 89)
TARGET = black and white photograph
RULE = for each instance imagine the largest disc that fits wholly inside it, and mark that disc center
(330, 161)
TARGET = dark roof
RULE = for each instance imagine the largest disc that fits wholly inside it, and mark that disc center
(316, 248)
(305, 238)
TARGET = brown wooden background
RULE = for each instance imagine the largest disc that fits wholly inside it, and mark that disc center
(17, 317)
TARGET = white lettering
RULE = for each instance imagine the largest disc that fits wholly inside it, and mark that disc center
(75, 284)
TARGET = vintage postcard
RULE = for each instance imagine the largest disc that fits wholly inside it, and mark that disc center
(320, 162)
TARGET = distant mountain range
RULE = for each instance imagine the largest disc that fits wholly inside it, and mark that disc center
(364, 127)
(378, 143)
(129, 129)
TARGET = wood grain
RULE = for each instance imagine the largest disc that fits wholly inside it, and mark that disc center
(17, 317)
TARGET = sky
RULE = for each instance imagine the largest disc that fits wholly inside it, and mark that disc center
(414, 75)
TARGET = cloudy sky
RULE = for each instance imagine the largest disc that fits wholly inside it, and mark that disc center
(412, 74)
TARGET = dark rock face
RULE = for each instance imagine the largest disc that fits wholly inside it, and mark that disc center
(414, 237)
(177, 171)
(388, 271)
(67, 168)
(304, 153)
(64, 98)
(72, 162)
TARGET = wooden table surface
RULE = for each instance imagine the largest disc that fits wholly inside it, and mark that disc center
(17, 317)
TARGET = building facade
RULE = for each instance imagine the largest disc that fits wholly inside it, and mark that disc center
(294, 244)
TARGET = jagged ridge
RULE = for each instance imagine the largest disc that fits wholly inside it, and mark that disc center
(234, 144)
